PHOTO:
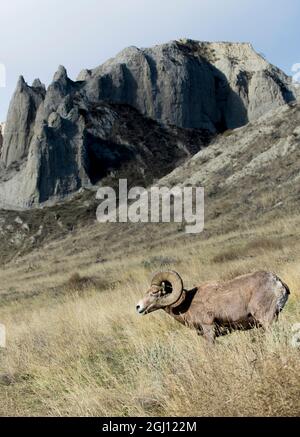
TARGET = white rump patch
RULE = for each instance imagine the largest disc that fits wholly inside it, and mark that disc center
(281, 293)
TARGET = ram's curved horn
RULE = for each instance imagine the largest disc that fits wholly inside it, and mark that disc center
(172, 286)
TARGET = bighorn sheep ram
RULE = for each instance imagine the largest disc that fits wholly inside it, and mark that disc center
(216, 308)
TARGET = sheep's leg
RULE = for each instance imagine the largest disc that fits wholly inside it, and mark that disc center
(208, 332)
(265, 318)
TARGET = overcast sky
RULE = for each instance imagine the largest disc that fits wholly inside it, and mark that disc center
(38, 35)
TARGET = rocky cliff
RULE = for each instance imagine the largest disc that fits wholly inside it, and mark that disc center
(20, 120)
(62, 142)
(127, 116)
(193, 84)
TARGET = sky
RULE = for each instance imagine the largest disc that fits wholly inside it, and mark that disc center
(36, 36)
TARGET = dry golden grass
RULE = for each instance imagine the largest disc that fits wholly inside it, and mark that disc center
(76, 347)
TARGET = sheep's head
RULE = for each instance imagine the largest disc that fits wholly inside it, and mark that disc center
(165, 290)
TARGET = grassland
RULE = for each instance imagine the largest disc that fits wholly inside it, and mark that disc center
(76, 347)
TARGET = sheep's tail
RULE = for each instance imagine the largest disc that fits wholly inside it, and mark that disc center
(285, 292)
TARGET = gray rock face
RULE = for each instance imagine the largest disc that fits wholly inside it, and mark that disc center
(192, 84)
(76, 134)
(75, 143)
(297, 91)
(20, 121)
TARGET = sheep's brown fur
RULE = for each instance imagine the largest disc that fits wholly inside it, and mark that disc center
(216, 308)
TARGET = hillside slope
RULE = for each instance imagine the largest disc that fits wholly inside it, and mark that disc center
(253, 170)
(250, 174)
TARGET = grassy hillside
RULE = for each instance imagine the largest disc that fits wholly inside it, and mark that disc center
(68, 289)
(76, 347)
